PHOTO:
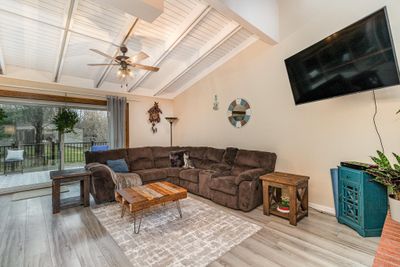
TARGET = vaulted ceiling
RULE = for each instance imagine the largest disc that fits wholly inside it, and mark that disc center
(50, 40)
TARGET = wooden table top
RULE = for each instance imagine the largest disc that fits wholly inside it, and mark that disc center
(145, 196)
(284, 178)
(70, 173)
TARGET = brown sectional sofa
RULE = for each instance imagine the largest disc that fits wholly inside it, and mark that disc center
(229, 177)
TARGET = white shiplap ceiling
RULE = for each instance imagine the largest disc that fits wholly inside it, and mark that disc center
(187, 41)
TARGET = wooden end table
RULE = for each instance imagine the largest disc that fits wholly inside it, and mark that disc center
(139, 198)
(60, 177)
(297, 186)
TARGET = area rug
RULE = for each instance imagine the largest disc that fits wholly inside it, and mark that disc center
(200, 237)
(36, 193)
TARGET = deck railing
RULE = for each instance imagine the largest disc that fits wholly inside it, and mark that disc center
(46, 155)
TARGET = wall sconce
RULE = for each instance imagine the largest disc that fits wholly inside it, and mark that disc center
(216, 103)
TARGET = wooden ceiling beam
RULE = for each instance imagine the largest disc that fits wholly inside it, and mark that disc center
(212, 45)
(107, 69)
(5, 92)
(65, 40)
(198, 15)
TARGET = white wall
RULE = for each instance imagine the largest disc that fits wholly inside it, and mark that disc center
(140, 128)
(308, 139)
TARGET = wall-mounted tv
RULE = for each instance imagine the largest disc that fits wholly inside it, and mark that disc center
(358, 58)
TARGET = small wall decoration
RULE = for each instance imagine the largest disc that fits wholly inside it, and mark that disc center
(154, 116)
(215, 104)
(239, 113)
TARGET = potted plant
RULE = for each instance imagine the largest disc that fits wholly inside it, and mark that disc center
(283, 205)
(65, 121)
(389, 176)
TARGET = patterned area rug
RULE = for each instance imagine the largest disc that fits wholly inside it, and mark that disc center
(200, 237)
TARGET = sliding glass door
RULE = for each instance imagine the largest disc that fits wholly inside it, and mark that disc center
(29, 145)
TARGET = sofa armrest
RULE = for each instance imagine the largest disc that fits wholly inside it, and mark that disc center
(250, 175)
(99, 171)
(221, 167)
(101, 185)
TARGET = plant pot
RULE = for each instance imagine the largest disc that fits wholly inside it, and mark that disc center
(394, 208)
(283, 209)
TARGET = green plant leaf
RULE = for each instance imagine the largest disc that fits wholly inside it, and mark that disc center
(65, 120)
(384, 161)
(385, 174)
(397, 157)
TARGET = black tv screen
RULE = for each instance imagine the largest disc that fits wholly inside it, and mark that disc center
(358, 58)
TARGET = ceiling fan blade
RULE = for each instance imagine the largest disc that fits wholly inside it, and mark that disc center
(144, 67)
(101, 53)
(138, 57)
(103, 64)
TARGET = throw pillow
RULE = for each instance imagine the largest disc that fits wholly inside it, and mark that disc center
(176, 158)
(15, 154)
(118, 165)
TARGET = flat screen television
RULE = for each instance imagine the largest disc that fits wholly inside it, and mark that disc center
(358, 58)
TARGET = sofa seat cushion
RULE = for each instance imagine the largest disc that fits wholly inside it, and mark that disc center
(225, 184)
(149, 175)
(191, 175)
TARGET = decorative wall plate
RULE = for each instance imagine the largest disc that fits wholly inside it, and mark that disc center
(239, 112)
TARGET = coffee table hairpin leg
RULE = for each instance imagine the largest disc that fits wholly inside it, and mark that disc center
(178, 206)
(136, 225)
(122, 210)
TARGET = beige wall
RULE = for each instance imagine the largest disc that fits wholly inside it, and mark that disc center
(308, 139)
(140, 128)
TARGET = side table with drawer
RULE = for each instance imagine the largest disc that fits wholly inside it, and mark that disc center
(362, 202)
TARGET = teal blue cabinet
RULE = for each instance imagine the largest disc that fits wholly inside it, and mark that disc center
(362, 202)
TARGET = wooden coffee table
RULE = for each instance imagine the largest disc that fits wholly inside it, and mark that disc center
(139, 198)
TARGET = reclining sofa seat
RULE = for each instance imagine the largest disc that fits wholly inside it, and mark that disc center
(242, 188)
(226, 176)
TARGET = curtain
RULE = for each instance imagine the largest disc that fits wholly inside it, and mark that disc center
(116, 107)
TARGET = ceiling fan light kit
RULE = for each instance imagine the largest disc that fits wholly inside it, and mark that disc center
(124, 73)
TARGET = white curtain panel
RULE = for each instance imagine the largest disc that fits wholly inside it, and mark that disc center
(116, 107)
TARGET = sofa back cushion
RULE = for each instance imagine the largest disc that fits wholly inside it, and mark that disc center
(161, 156)
(196, 155)
(140, 158)
(212, 156)
(250, 159)
(103, 156)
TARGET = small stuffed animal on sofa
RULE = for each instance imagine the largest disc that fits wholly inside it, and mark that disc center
(188, 164)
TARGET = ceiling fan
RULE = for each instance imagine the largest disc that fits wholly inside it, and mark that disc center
(125, 62)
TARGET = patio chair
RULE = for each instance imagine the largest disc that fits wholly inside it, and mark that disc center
(14, 158)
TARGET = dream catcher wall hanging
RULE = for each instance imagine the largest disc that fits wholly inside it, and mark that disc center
(154, 116)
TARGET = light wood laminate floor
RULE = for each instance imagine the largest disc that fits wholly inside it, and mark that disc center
(31, 236)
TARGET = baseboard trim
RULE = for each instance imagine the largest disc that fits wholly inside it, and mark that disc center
(323, 209)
